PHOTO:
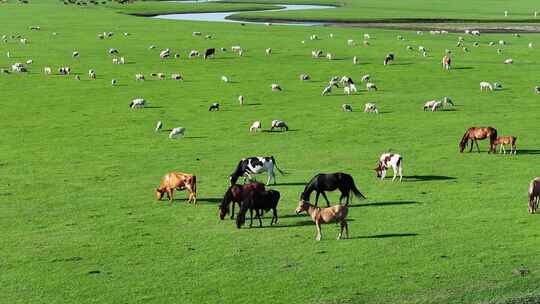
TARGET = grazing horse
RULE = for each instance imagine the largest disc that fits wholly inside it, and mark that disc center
(237, 194)
(506, 140)
(320, 216)
(474, 134)
(390, 160)
(255, 165)
(329, 182)
(260, 202)
(534, 194)
(209, 52)
(178, 181)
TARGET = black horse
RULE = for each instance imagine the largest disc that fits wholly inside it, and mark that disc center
(260, 202)
(330, 182)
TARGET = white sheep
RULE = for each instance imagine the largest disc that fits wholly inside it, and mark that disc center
(176, 132)
(316, 53)
(255, 126)
(370, 86)
(509, 61)
(241, 99)
(355, 60)
(484, 85)
(268, 51)
(304, 77)
(279, 124)
(91, 74)
(350, 42)
(193, 53)
(436, 106)
(159, 126)
(367, 36)
(114, 82)
(137, 103)
(371, 108)
(366, 78)
(176, 77)
(327, 90)
(47, 70)
(276, 87)
(29, 61)
(225, 79)
(329, 56)
(346, 107)
(139, 77)
(429, 104)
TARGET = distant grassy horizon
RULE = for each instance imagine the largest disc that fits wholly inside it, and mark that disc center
(78, 214)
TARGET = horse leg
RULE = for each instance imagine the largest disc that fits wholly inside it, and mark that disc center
(170, 195)
(274, 216)
(342, 227)
(478, 148)
(394, 169)
(472, 145)
(326, 198)
(346, 228)
(317, 198)
(232, 213)
(318, 236)
(250, 218)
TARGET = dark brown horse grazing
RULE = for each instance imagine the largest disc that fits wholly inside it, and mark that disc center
(474, 134)
(237, 194)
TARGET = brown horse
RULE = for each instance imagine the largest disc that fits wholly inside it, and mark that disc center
(474, 134)
(237, 194)
(179, 181)
(337, 213)
(534, 194)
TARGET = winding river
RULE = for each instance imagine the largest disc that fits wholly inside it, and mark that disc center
(223, 17)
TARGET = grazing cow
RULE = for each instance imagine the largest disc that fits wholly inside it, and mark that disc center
(255, 126)
(327, 215)
(330, 182)
(370, 86)
(346, 107)
(137, 103)
(278, 124)
(260, 202)
(506, 140)
(484, 85)
(388, 59)
(177, 181)
(214, 107)
(177, 132)
(209, 52)
(534, 195)
(238, 194)
(255, 165)
(276, 87)
(446, 62)
(387, 160)
(371, 108)
(474, 134)
(241, 99)
(159, 126)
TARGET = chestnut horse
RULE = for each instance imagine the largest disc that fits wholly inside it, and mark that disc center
(474, 134)
(179, 181)
(237, 194)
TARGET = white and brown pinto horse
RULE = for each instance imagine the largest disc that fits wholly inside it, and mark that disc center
(178, 181)
(390, 160)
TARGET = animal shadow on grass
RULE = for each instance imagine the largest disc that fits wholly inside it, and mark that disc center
(383, 236)
(463, 68)
(403, 63)
(279, 132)
(299, 224)
(153, 107)
(209, 200)
(527, 151)
(292, 184)
(383, 204)
(426, 178)
(251, 104)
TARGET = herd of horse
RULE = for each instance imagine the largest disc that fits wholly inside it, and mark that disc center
(255, 197)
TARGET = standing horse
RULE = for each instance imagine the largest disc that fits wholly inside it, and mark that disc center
(534, 194)
(474, 134)
(260, 202)
(320, 216)
(237, 194)
(329, 182)
(506, 140)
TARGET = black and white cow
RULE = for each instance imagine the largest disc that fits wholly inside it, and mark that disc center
(255, 165)
(209, 52)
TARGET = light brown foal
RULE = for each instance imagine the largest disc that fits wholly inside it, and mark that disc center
(506, 140)
(327, 215)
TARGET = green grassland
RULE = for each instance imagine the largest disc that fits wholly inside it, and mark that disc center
(80, 223)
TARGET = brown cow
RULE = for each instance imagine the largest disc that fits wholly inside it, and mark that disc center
(179, 181)
(337, 213)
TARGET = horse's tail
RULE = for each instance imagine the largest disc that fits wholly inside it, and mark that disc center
(492, 139)
(241, 218)
(194, 184)
(275, 164)
(355, 190)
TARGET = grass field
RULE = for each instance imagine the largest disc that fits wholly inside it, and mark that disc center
(81, 225)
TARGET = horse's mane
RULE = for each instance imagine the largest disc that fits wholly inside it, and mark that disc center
(465, 138)
(227, 198)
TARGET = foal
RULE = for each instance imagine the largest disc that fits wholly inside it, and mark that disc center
(506, 140)
(337, 213)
